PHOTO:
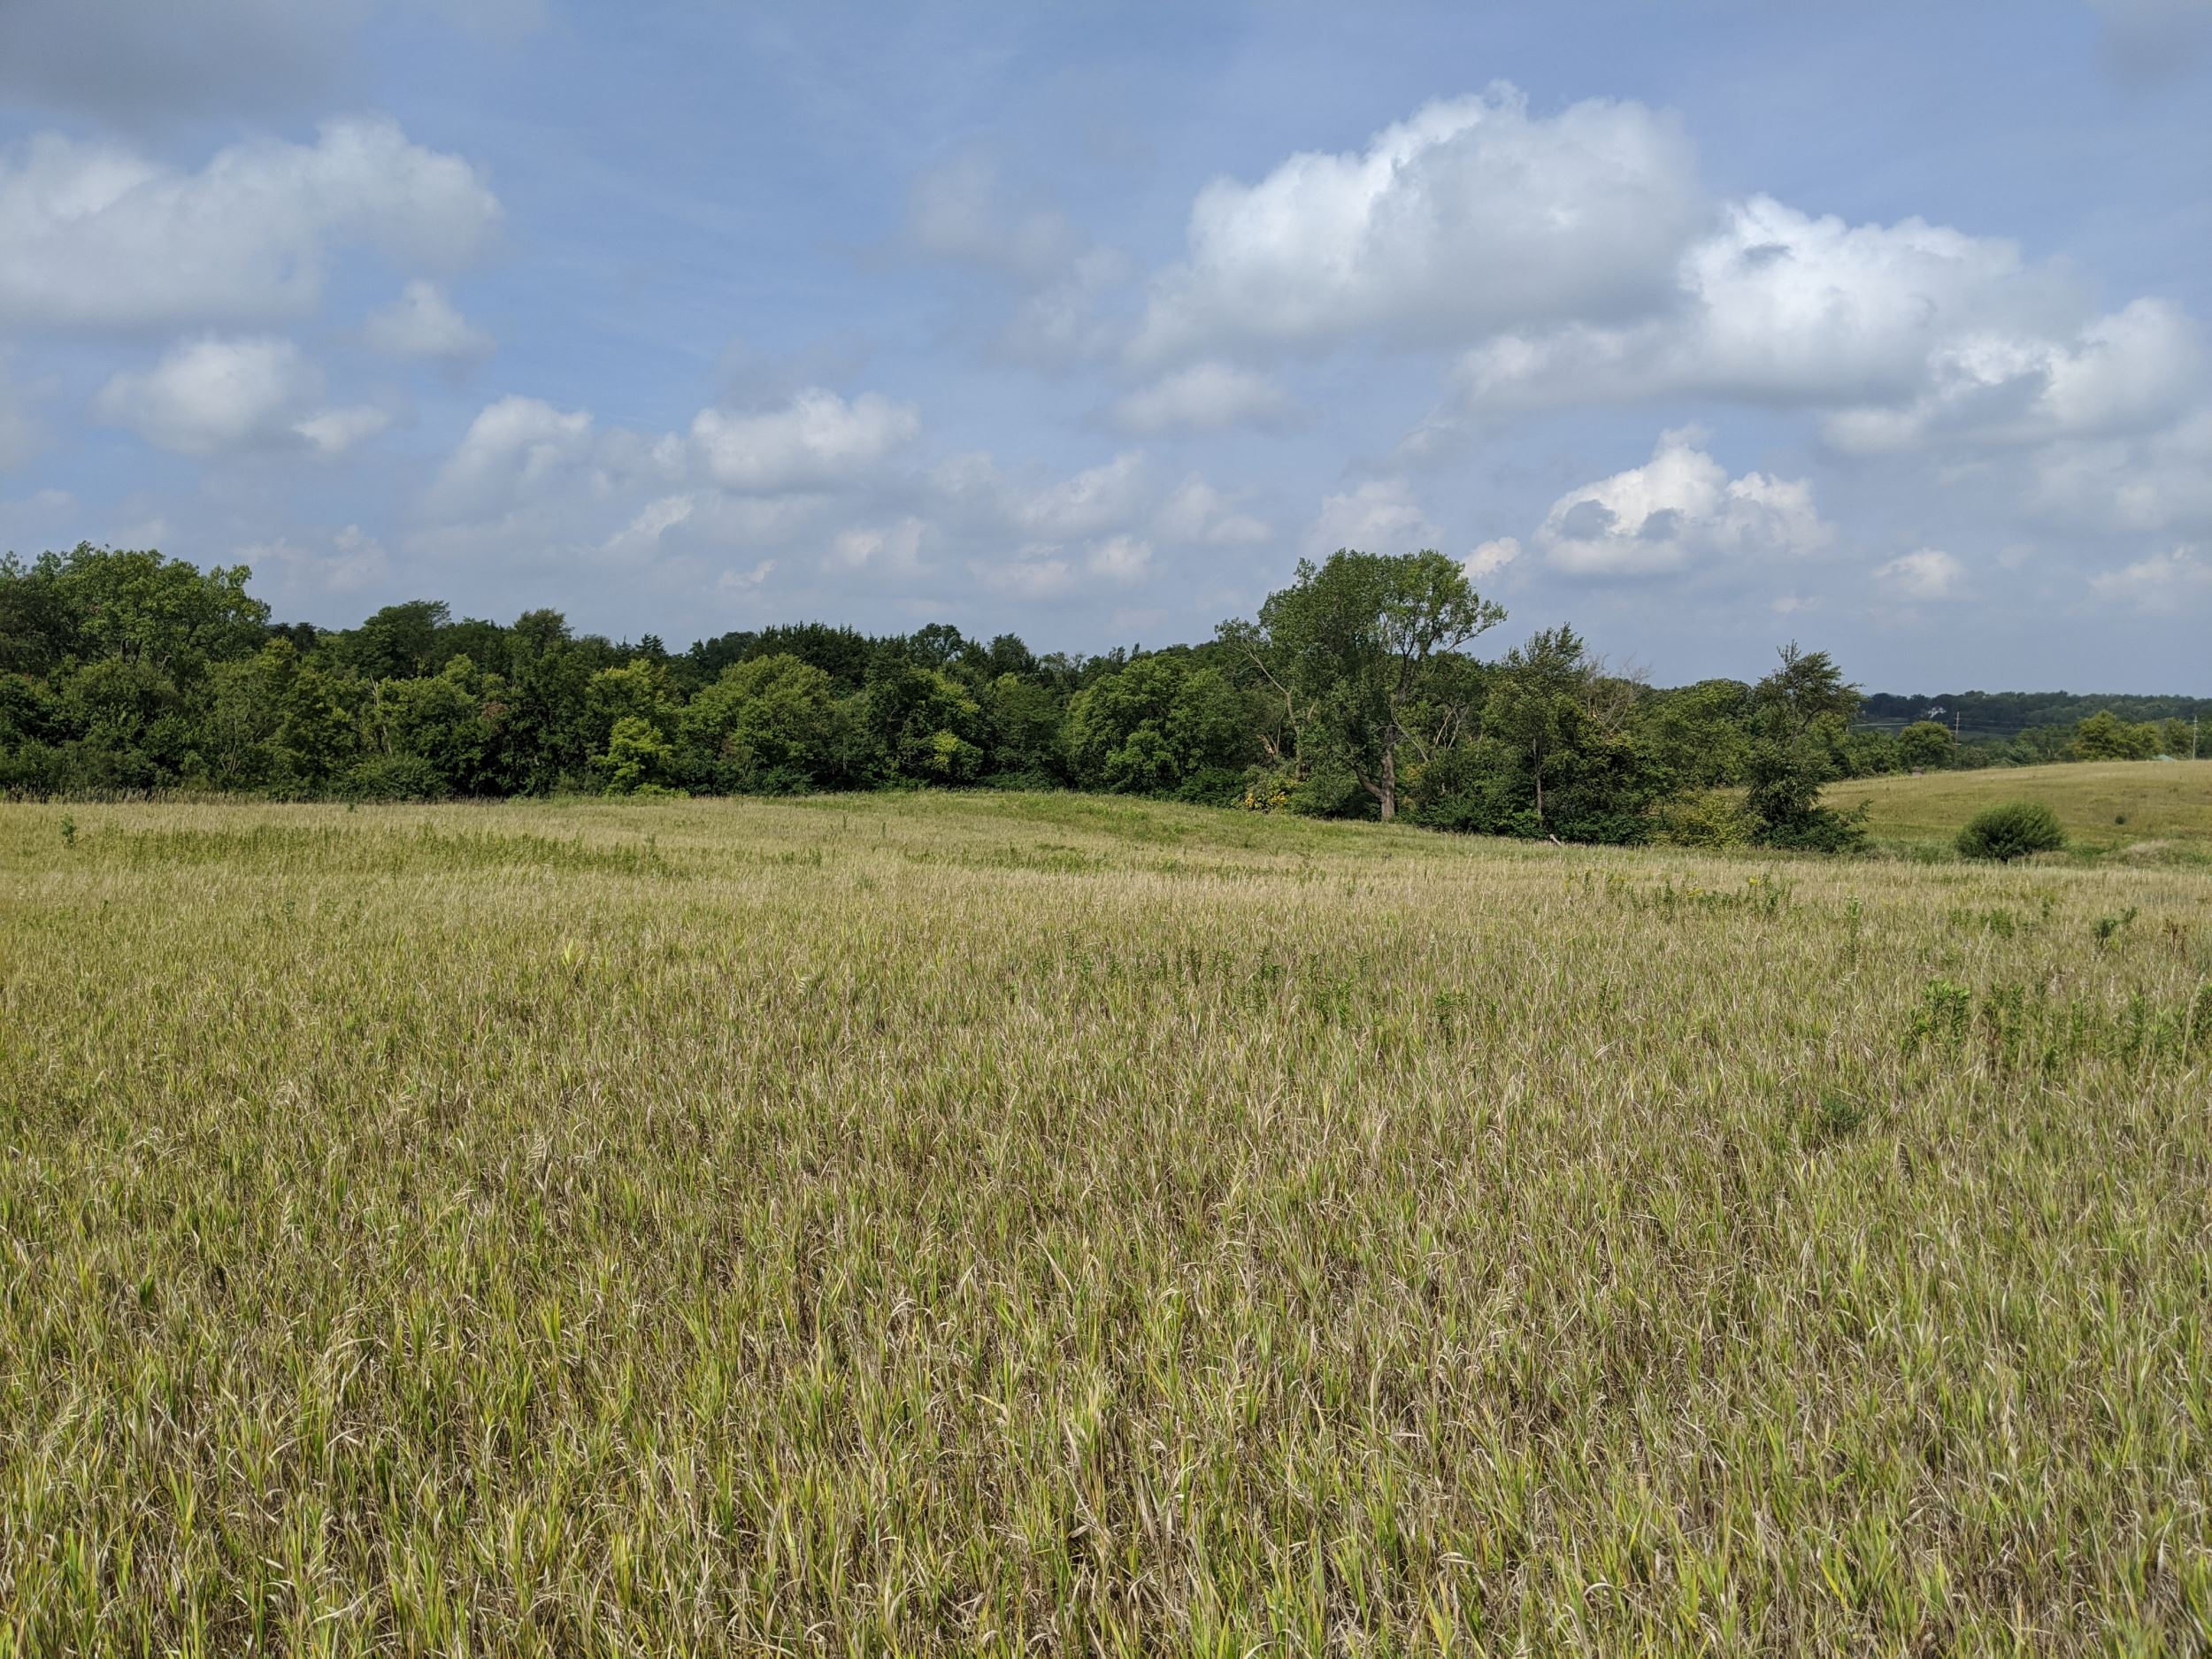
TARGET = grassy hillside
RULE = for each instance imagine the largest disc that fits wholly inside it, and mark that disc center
(2150, 807)
(960, 1224)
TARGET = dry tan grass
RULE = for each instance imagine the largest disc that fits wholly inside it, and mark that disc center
(957, 1225)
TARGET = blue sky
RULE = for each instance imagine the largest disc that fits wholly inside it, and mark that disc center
(1704, 328)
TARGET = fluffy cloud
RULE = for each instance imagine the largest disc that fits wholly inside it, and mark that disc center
(1929, 573)
(2156, 483)
(818, 489)
(336, 431)
(2128, 370)
(1680, 508)
(1197, 514)
(1203, 397)
(515, 447)
(2159, 582)
(1906, 334)
(212, 397)
(1775, 306)
(1492, 557)
(1120, 558)
(641, 537)
(1033, 572)
(817, 440)
(422, 323)
(894, 549)
(693, 524)
(1380, 515)
(1472, 216)
(1047, 571)
(93, 236)
(1089, 502)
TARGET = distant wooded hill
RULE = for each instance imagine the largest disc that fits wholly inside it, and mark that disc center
(2001, 714)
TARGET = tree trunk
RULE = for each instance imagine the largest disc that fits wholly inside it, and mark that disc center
(1388, 793)
(1537, 751)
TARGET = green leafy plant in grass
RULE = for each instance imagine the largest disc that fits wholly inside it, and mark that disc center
(1835, 1116)
(2011, 830)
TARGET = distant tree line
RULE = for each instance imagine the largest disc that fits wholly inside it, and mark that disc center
(1353, 694)
(2024, 728)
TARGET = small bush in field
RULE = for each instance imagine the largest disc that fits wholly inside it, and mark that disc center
(2011, 830)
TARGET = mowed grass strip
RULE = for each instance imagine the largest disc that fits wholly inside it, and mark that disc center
(958, 1225)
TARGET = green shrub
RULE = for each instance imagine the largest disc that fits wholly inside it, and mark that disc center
(392, 778)
(1712, 817)
(2011, 830)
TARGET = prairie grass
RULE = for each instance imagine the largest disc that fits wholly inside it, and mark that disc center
(972, 1224)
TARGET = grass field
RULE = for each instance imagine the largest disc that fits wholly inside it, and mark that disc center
(2144, 809)
(965, 1224)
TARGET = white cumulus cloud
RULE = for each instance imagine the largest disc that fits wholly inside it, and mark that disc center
(1380, 515)
(1194, 511)
(212, 397)
(1903, 333)
(1120, 558)
(1680, 508)
(1472, 215)
(2152, 483)
(894, 549)
(336, 431)
(514, 447)
(640, 537)
(817, 440)
(95, 235)
(1929, 573)
(2121, 371)
(1492, 557)
(1089, 502)
(2159, 582)
(422, 323)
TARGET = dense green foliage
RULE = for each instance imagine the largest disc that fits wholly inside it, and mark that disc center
(1353, 693)
(1364, 653)
(2012, 831)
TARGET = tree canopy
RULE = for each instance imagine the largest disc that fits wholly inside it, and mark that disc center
(1356, 691)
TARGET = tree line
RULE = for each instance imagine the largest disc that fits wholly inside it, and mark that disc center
(1353, 693)
(2030, 728)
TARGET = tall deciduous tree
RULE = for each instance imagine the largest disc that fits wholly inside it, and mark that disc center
(1535, 710)
(1799, 716)
(1925, 745)
(1353, 648)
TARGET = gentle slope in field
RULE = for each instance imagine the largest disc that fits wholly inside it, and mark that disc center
(2105, 806)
